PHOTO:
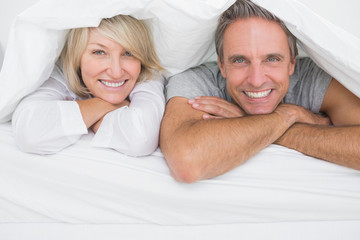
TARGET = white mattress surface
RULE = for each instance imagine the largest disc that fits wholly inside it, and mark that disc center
(86, 185)
(324, 230)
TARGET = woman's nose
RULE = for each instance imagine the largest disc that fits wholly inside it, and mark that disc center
(115, 69)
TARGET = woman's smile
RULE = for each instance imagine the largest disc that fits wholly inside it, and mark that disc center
(112, 84)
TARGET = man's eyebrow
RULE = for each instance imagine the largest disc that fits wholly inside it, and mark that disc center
(234, 57)
(278, 55)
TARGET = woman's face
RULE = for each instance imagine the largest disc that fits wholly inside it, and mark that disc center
(108, 70)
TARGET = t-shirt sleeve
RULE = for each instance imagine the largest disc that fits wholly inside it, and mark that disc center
(308, 85)
(198, 81)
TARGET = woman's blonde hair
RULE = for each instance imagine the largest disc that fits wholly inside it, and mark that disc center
(130, 33)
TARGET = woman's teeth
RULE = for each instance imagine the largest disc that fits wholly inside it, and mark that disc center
(258, 94)
(112, 84)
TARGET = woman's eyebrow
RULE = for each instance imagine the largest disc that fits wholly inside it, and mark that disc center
(98, 44)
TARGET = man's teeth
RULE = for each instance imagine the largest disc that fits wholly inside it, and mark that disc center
(258, 94)
(112, 84)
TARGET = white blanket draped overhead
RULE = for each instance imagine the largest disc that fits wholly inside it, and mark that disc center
(183, 34)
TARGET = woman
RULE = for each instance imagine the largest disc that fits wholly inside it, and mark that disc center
(113, 86)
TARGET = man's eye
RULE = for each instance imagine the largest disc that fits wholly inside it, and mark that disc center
(240, 60)
(98, 52)
(273, 59)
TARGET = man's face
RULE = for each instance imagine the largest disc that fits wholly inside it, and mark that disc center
(256, 64)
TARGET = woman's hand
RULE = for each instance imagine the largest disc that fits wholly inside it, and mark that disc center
(94, 109)
(96, 125)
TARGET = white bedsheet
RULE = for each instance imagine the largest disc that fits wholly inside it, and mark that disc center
(86, 185)
(323, 230)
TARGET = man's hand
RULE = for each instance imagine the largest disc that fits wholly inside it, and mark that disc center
(298, 114)
(216, 107)
(337, 143)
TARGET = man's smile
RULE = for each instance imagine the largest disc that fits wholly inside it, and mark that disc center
(261, 94)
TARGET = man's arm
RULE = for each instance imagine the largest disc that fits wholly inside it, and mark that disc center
(198, 149)
(339, 143)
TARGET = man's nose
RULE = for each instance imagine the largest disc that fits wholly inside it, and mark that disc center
(256, 75)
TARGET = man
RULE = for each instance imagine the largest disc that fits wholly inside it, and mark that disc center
(248, 102)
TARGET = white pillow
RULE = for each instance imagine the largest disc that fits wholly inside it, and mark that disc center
(1, 57)
(183, 34)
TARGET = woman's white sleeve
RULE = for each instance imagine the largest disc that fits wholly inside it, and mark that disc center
(44, 122)
(134, 130)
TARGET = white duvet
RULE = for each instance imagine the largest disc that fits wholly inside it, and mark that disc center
(183, 33)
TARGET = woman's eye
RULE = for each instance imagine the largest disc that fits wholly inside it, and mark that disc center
(128, 54)
(99, 52)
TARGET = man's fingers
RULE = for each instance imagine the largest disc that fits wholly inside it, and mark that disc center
(216, 110)
(216, 106)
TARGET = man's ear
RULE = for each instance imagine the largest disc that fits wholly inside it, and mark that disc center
(222, 70)
(292, 66)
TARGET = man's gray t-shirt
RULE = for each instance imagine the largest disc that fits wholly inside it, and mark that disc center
(307, 87)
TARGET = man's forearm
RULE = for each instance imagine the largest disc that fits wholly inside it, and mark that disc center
(199, 149)
(340, 145)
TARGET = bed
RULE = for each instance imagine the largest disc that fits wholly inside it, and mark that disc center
(84, 192)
